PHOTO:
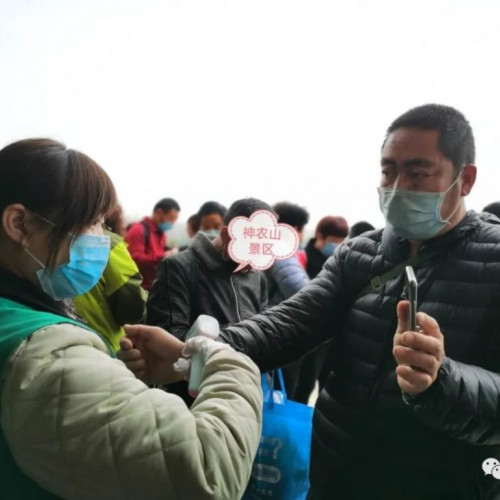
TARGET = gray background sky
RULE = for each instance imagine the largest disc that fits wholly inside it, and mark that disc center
(219, 100)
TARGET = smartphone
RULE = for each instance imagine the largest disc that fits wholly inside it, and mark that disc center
(411, 295)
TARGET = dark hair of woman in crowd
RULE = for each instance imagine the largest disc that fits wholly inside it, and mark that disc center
(54, 183)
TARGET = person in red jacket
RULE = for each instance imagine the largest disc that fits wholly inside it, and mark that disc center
(147, 242)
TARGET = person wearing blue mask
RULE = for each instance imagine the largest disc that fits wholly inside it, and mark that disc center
(76, 423)
(406, 415)
(330, 232)
(147, 241)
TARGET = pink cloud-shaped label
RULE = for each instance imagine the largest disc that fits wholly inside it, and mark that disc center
(259, 240)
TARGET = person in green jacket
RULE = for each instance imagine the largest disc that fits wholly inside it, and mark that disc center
(75, 422)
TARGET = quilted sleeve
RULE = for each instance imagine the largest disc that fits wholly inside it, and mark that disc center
(464, 402)
(289, 276)
(79, 423)
(290, 330)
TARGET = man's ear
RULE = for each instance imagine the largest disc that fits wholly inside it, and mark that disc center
(15, 223)
(468, 179)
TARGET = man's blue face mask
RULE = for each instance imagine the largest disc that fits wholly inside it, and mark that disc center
(414, 215)
(88, 257)
(328, 249)
(165, 226)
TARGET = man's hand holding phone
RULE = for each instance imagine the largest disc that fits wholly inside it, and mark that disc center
(419, 354)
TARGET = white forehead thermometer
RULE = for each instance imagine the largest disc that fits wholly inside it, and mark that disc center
(204, 326)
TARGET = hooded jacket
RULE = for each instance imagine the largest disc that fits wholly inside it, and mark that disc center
(368, 443)
(199, 281)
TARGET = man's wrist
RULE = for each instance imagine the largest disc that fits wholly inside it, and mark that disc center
(411, 399)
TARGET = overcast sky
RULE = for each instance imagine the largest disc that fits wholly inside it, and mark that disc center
(281, 100)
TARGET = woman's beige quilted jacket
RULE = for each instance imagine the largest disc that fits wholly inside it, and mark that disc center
(81, 425)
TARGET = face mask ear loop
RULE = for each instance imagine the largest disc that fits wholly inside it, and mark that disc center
(44, 219)
(447, 221)
(394, 189)
(43, 266)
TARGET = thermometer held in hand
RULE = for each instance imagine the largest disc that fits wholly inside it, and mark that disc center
(204, 326)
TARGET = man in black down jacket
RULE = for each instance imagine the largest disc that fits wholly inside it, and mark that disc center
(406, 416)
(370, 442)
(200, 280)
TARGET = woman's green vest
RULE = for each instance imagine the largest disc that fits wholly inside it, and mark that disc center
(17, 322)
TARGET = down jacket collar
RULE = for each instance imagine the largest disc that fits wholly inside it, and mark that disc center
(395, 248)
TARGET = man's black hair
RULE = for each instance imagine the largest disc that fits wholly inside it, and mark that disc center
(456, 140)
(167, 204)
(245, 208)
(194, 222)
(212, 207)
(360, 228)
(493, 208)
(289, 213)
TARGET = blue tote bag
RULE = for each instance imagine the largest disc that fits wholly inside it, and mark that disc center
(281, 467)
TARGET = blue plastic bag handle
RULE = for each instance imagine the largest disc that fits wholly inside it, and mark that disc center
(282, 383)
(270, 385)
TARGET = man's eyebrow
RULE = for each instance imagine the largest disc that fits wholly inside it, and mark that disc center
(387, 162)
(419, 162)
(413, 162)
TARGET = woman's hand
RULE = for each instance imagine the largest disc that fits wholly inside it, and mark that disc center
(150, 352)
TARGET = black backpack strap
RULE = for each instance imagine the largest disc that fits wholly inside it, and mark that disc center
(147, 233)
(378, 281)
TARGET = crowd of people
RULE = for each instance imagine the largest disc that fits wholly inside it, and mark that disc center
(95, 315)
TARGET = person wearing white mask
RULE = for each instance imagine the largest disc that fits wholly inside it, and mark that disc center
(211, 216)
(201, 280)
(407, 415)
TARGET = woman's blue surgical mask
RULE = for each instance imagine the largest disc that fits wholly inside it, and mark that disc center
(165, 226)
(88, 256)
(328, 249)
(415, 215)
